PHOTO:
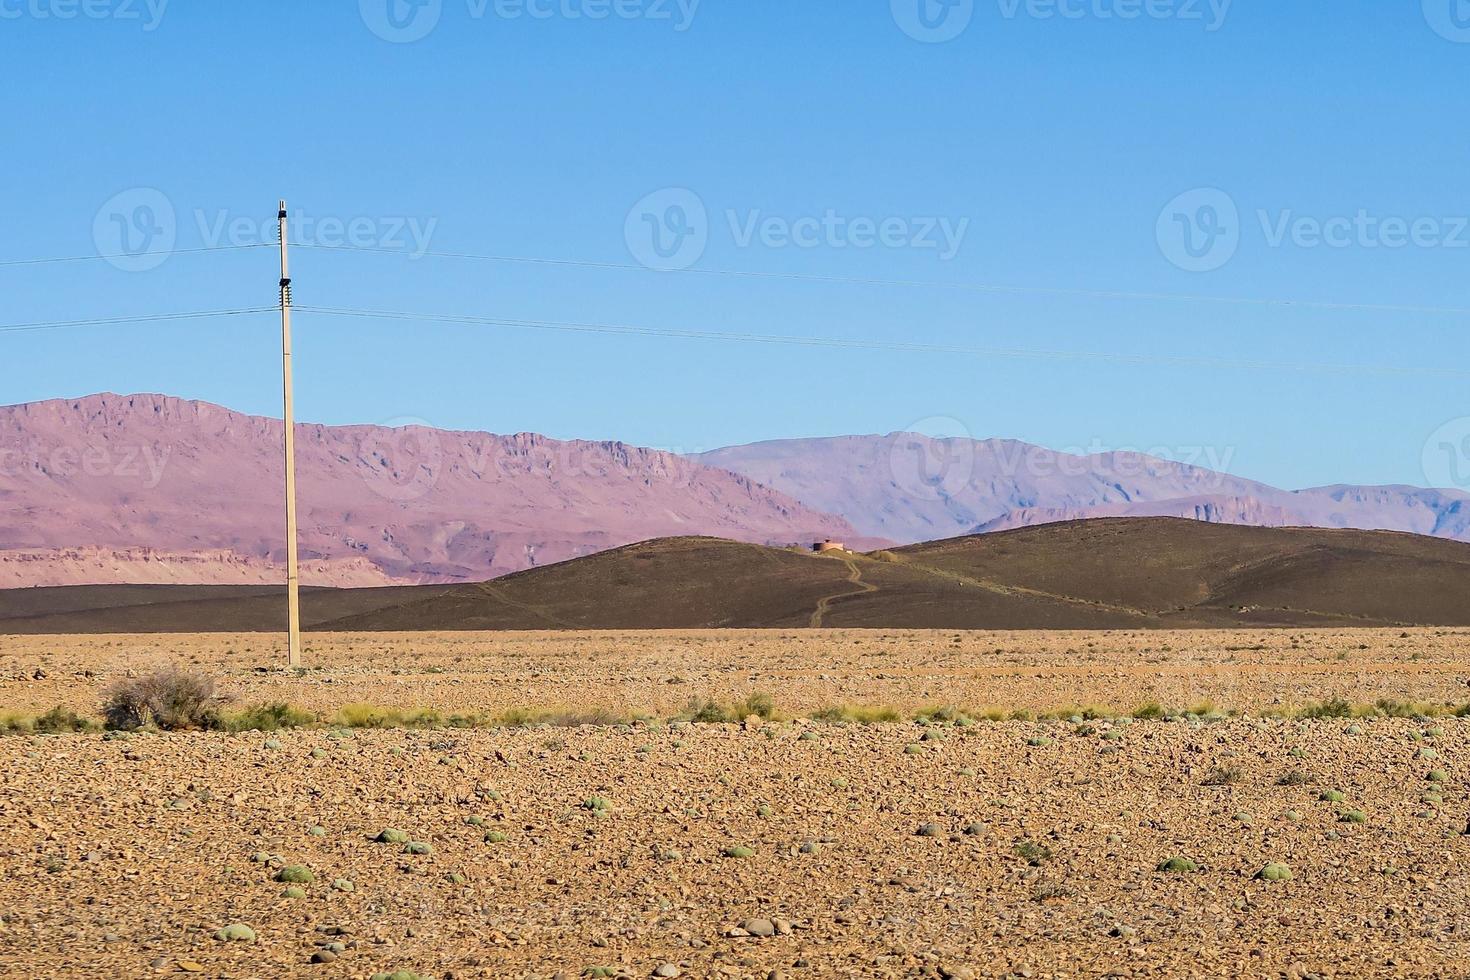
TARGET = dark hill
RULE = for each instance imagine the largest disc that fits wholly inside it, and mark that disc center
(1122, 573)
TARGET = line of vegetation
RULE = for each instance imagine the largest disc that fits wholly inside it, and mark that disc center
(175, 700)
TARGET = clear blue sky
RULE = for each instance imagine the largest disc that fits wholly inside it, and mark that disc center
(1060, 139)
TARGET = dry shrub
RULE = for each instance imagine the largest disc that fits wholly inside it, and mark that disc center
(169, 698)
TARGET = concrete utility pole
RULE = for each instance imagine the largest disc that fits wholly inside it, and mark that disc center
(293, 571)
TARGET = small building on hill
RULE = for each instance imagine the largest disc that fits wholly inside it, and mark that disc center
(828, 545)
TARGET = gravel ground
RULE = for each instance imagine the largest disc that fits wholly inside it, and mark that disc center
(659, 672)
(785, 848)
(1020, 849)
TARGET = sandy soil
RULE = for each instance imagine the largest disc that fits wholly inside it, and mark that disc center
(995, 849)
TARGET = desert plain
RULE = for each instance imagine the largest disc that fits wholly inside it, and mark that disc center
(820, 803)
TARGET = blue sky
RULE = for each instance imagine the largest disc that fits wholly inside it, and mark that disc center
(1049, 138)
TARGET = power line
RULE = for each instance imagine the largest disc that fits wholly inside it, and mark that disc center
(120, 320)
(992, 288)
(7, 263)
(903, 347)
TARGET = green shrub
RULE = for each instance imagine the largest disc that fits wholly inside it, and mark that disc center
(1152, 711)
(418, 847)
(295, 874)
(1353, 816)
(237, 933)
(1178, 865)
(1033, 853)
(1274, 871)
(1331, 796)
(709, 713)
(58, 720)
(738, 851)
(269, 718)
(392, 836)
(1332, 708)
(494, 837)
(759, 705)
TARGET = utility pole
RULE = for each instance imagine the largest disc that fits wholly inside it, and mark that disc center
(293, 571)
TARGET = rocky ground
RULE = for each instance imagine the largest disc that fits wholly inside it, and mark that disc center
(659, 672)
(788, 848)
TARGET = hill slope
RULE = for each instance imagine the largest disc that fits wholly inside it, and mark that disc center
(910, 488)
(1125, 573)
(93, 480)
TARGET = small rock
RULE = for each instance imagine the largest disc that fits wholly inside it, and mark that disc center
(666, 970)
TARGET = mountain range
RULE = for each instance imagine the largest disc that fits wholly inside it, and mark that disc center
(911, 488)
(149, 488)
